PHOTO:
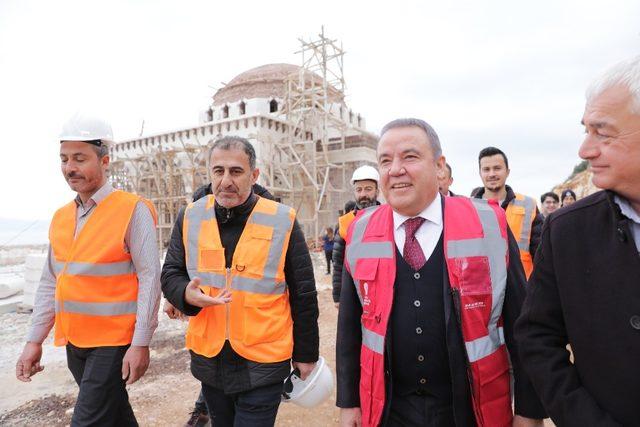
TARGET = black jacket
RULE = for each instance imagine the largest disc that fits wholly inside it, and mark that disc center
(300, 283)
(536, 228)
(337, 259)
(349, 341)
(585, 291)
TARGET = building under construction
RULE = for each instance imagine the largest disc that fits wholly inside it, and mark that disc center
(307, 140)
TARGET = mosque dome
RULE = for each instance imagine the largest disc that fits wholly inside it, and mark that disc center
(266, 81)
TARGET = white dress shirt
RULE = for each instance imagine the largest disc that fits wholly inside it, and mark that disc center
(429, 232)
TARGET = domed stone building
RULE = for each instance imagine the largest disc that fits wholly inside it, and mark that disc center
(307, 141)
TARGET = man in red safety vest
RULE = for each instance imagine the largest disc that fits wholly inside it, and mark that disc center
(427, 308)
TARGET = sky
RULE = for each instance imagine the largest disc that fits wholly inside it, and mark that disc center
(499, 73)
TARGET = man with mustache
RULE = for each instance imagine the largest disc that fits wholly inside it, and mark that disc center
(100, 285)
(523, 217)
(428, 302)
(239, 265)
(365, 191)
(585, 288)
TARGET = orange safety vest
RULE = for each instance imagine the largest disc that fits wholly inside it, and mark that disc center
(521, 212)
(96, 283)
(476, 254)
(344, 222)
(257, 322)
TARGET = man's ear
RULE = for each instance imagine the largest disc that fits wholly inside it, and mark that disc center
(254, 175)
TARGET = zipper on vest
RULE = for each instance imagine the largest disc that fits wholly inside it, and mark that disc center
(227, 285)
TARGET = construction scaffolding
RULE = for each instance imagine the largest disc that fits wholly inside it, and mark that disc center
(164, 179)
(310, 96)
(301, 146)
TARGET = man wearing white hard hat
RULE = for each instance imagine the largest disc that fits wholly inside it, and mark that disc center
(365, 191)
(101, 284)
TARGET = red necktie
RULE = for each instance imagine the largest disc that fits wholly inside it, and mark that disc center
(412, 252)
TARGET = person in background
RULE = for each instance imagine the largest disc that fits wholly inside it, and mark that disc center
(445, 179)
(523, 217)
(549, 202)
(365, 190)
(567, 198)
(327, 246)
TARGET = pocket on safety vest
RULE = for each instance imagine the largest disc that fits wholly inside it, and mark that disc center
(474, 274)
(266, 318)
(366, 273)
(211, 260)
(252, 256)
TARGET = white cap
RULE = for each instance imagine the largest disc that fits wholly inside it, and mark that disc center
(365, 172)
(86, 128)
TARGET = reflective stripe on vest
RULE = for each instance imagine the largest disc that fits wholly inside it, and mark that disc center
(97, 308)
(94, 269)
(359, 250)
(529, 205)
(493, 246)
(372, 340)
(196, 216)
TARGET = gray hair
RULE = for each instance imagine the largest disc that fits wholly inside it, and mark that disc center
(102, 149)
(626, 73)
(432, 136)
(235, 142)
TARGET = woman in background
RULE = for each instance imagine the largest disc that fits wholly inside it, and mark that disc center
(567, 198)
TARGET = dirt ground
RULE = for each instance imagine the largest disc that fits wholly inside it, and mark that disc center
(163, 397)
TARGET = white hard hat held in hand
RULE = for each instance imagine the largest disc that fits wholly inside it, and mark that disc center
(311, 392)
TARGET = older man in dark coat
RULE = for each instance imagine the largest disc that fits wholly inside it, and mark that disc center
(585, 289)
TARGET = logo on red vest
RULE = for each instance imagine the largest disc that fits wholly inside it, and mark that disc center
(474, 305)
(366, 301)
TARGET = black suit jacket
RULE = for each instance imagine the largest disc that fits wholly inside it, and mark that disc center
(349, 341)
(585, 291)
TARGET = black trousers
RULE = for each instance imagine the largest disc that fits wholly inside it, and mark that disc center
(328, 255)
(252, 408)
(419, 411)
(103, 398)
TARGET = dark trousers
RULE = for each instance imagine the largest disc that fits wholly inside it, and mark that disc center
(328, 255)
(253, 408)
(103, 398)
(423, 411)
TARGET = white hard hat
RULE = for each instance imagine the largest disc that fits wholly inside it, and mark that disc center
(365, 172)
(86, 128)
(311, 392)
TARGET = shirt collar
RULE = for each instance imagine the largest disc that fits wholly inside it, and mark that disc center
(97, 197)
(433, 213)
(626, 209)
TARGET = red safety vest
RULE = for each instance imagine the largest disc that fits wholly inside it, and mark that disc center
(476, 253)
